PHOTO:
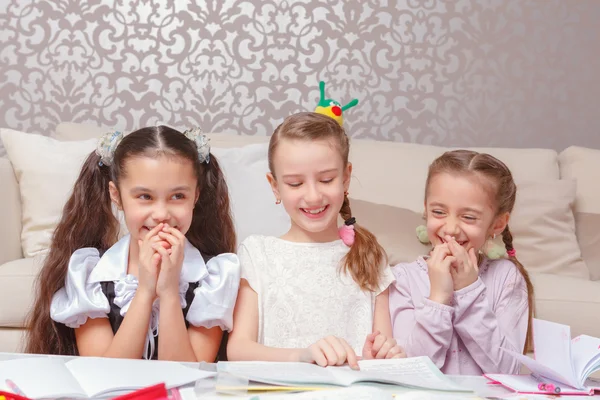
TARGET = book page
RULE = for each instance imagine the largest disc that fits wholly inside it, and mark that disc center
(98, 376)
(281, 373)
(40, 377)
(552, 348)
(528, 384)
(540, 369)
(413, 372)
(586, 356)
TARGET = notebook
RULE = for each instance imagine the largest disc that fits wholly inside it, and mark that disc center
(417, 372)
(87, 377)
(559, 360)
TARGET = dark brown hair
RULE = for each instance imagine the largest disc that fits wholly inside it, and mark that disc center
(88, 221)
(366, 257)
(499, 183)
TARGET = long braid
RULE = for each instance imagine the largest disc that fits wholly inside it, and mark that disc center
(508, 244)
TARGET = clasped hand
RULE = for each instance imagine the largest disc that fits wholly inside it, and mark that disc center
(451, 267)
(160, 261)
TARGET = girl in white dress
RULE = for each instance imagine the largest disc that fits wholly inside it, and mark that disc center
(167, 289)
(317, 294)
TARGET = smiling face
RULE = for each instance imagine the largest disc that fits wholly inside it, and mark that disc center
(461, 206)
(310, 180)
(155, 190)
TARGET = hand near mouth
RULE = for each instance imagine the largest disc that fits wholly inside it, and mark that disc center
(440, 278)
(149, 261)
(171, 261)
(464, 267)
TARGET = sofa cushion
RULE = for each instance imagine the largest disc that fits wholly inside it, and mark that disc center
(394, 227)
(10, 214)
(252, 200)
(569, 301)
(543, 228)
(542, 225)
(579, 163)
(72, 131)
(588, 235)
(17, 290)
(394, 173)
(12, 340)
(46, 170)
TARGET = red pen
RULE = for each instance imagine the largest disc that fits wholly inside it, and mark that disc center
(12, 396)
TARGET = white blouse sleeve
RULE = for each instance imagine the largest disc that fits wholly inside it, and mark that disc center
(214, 298)
(248, 273)
(386, 279)
(79, 300)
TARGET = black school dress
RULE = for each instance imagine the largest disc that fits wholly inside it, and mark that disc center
(97, 286)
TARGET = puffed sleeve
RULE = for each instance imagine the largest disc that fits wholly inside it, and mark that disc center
(79, 300)
(214, 299)
(387, 278)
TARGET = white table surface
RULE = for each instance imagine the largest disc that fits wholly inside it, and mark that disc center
(478, 384)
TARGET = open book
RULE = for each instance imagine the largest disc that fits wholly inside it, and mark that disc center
(559, 359)
(418, 372)
(87, 377)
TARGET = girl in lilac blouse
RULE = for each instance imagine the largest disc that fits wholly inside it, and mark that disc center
(456, 305)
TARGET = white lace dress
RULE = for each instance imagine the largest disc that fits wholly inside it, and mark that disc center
(302, 294)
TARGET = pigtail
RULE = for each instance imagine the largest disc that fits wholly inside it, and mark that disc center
(366, 256)
(212, 231)
(508, 243)
(87, 221)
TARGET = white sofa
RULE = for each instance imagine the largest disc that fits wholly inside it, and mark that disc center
(557, 216)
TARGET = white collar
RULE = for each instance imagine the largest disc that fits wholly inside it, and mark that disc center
(112, 266)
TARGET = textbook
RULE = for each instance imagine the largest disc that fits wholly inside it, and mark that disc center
(417, 372)
(87, 377)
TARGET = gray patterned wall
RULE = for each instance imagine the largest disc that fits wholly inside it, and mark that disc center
(489, 72)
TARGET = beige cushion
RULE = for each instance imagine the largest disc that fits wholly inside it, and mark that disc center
(542, 225)
(582, 164)
(569, 301)
(394, 227)
(543, 229)
(12, 340)
(588, 236)
(16, 290)
(68, 131)
(10, 214)
(394, 173)
(46, 170)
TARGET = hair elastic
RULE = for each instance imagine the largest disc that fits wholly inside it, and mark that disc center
(347, 232)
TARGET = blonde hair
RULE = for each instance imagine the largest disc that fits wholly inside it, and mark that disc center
(502, 191)
(366, 256)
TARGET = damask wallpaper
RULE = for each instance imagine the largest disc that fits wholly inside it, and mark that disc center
(519, 73)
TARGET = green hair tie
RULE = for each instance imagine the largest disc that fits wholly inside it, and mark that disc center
(422, 234)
